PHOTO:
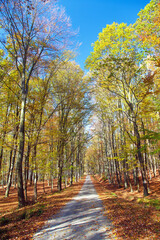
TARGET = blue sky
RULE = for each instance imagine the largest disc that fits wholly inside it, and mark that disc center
(91, 16)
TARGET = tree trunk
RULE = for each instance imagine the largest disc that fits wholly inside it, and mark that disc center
(26, 170)
(118, 177)
(77, 162)
(35, 186)
(71, 173)
(35, 171)
(52, 178)
(60, 166)
(31, 177)
(141, 160)
(3, 136)
(10, 160)
(107, 168)
(72, 160)
(59, 185)
(21, 199)
(44, 185)
(125, 174)
(12, 166)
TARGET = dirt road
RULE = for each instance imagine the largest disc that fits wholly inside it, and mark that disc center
(82, 218)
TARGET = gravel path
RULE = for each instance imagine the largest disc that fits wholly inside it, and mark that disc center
(81, 218)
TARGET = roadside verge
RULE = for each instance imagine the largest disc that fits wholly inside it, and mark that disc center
(131, 220)
(23, 223)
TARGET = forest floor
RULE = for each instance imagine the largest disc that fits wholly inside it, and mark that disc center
(133, 216)
(22, 223)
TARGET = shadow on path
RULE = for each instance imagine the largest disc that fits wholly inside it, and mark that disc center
(81, 218)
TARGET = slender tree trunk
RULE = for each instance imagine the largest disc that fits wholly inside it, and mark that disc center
(59, 185)
(43, 185)
(12, 166)
(60, 166)
(26, 170)
(145, 155)
(51, 159)
(150, 161)
(21, 199)
(10, 160)
(1, 152)
(71, 173)
(35, 171)
(140, 157)
(154, 166)
(13, 153)
(72, 160)
(3, 136)
(115, 161)
(15, 180)
(129, 180)
(52, 179)
(125, 174)
(78, 161)
(35, 185)
(31, 177)
(136, 174)
(107, 161)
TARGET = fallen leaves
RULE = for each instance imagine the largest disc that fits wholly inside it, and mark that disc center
(18, 228)
(131, 219)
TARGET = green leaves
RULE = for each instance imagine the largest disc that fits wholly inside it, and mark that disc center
(152, 135)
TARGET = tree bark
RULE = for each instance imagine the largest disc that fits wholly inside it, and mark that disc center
(72, 161)
(141, 160)
(21, 199)
(35, 171)
(12, 165)
(60, 166)
(3, 136)
(26, 170)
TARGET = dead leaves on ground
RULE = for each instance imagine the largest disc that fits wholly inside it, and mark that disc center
(131, 220)
(22, 223)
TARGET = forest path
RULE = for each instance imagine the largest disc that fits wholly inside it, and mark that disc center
(81, 218)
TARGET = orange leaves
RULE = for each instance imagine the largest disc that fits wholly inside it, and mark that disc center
(24, 228)
(148, 25)
(131, 220)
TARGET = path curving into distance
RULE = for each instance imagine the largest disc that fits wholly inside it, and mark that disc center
(81, 218)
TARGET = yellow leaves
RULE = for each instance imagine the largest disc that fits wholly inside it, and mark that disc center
(1, 53)
(115, 38)
(148, 25)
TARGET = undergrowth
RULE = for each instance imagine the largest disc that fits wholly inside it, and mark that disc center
(150, 202)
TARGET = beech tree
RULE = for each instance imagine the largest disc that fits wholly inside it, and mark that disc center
(117, 63)
(125, 65)
(70, 94)
(45, 100)
(148, 27)
(37, 31)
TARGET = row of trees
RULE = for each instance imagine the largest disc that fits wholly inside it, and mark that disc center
(44, 97)
(125, 66)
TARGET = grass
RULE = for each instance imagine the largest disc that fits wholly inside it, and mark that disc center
(150, 202)
(29, 213)
(22, 215)
(113, 194)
